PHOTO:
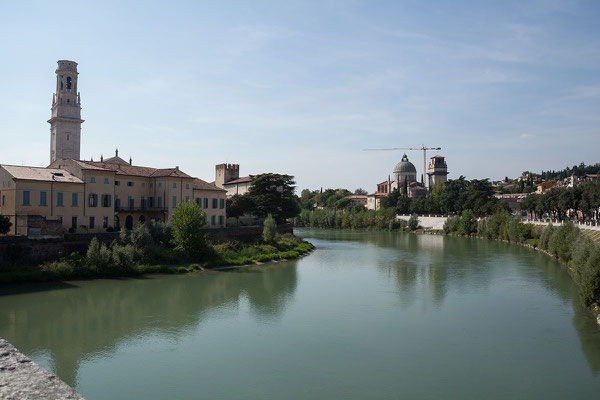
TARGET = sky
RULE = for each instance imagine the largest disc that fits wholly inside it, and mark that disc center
(302, 88)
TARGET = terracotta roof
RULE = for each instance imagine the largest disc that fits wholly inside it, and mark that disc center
(199, 184)
(136, 170)
(116, 160)
(40, 174)
(87, 165)
(245, 179)
(380, 194)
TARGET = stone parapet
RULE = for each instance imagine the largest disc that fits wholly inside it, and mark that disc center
(22, 379)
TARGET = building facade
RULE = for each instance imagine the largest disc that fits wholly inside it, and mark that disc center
(96, 196)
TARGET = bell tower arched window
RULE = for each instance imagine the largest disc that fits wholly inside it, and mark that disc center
(68, 82)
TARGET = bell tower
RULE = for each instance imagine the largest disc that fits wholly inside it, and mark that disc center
(65, 121)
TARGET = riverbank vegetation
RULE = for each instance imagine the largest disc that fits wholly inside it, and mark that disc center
(581, 202)
(155, 247)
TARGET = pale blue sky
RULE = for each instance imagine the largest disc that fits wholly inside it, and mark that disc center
(302, 87)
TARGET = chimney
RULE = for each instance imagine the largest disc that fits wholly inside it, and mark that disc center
(130, 161)
(101, 158)
(117, 152)
(177, 167)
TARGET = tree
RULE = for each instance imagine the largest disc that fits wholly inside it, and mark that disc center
(274, 194)
(269, 229)
(5, 225)
(188, 236)
(391, 200)
(413, 222)
(467, 224)
(239, 205)
(361, 192)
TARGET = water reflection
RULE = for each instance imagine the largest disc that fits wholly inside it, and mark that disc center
(74, 324)
(426, 267)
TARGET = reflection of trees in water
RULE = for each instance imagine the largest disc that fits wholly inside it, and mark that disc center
(73, 324)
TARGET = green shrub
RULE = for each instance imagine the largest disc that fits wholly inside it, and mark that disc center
(497, 225)
(451, 224)
(413, 222)
(532, 242)
(182, 270)
(269, 229)
(562, 239)
(582, 249)
(590, 277)
(467, 223)
(482, 228)
(98, 257)
(195, 266)
(545, 236)
(122, 258)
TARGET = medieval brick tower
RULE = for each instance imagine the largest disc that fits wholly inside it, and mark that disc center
(65, 123)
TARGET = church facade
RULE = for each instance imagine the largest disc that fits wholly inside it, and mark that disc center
(404, 179)
(95, 196)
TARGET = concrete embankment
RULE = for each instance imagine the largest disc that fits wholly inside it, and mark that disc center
(22, 379)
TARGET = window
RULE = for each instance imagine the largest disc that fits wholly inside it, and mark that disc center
(220, 220)
(106, 200)
(187, 185)
(117, 203)
(174, 185)
(3, 200)
(26, 197)
(59, 199)
(151, 185)
(69, 82)
(92, 222)
(43, 199)
(174, 201)
(130, 202)
(213, 220)
(117, 183)
(159, 184)
(150, 202)
(221, 203)
(129, 183)
(75, 200)
(105, 222)
(106, 181)
(143, 184)
(215, 203)
(143, 203)
(159, 202)
(206, 202)
(187, 199)
(92, 179)
(93, 200)
(74, 223)
(199, 202)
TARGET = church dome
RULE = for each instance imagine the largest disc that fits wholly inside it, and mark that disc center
(405, 166)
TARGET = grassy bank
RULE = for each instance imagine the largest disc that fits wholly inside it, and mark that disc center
(148, 249)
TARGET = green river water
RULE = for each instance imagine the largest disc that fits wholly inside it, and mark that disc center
(368, 315)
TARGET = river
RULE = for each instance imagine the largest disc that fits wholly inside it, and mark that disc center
(368, 315)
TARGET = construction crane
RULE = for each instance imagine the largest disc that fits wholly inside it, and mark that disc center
(423, 148)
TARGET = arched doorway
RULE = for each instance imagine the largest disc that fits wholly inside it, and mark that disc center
(142, 219)
(129, 222)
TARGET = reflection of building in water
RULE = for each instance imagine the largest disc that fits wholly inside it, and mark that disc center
(73, 324)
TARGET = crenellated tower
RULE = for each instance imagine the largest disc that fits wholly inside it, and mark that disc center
(65, 122)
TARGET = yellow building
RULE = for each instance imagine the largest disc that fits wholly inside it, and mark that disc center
(52, 193)
(88, 196)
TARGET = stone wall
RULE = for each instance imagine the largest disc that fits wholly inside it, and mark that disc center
(22, 379)
(20, 250)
